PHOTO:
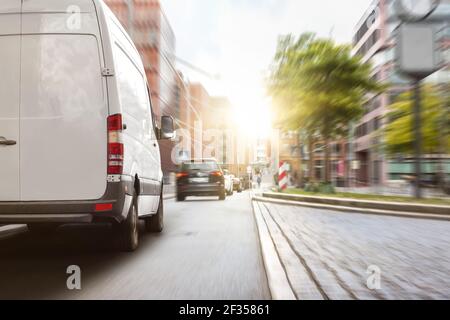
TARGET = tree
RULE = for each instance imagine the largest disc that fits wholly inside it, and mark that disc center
(435, 116)
(319, 87)
(399, 132)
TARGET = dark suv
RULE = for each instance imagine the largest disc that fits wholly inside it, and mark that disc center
(200, 178)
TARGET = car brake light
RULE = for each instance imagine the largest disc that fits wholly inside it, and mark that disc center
(102, 207)
(115, 145)
(182, 175)
(217, 174)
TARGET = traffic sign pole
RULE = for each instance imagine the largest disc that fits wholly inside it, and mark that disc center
(417, 125)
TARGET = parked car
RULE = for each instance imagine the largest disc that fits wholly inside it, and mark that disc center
(78, 139)
(228, 182)
(202, 177)
(237, 184)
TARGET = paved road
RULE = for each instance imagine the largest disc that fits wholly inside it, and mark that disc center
(327, 254)
(209, 250)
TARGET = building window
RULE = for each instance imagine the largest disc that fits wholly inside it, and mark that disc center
(365, 26)
(319, 148)
(318, 169)
(362, 130)
(368, 45)
(377, 123)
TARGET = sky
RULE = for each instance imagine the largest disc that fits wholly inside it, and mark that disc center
(237, 39)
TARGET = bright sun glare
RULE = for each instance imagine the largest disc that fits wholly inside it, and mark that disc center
(253, 117)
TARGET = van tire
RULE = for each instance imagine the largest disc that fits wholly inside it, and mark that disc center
(155, 224)
(127, 233)
(42, 228)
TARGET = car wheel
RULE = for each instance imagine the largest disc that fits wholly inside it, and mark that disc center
(180, 198)
(127, 233)
(222, 195)
(155, 224)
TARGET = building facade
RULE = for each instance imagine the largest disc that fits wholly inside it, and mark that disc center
(290, 152)
(183, 120)
(199, 104)
(374, 41)
(154, 38)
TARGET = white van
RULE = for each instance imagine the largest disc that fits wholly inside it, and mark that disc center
(78, 139)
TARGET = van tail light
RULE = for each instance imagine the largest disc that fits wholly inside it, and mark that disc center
(103, 207)
(217, 174)
(115, 145)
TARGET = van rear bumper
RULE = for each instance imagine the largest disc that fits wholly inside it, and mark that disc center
(65, 212)
(45, 218)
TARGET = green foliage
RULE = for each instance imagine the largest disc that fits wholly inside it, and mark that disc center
(322, 188)
(435, 124)
(312, 187)
(327, 188)
(318, 86)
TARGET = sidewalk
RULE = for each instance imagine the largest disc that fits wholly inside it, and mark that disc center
(318, 254)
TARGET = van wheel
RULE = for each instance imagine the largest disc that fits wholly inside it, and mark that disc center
(127, 232)
(155, 224)
(42, 228)
(222, 195)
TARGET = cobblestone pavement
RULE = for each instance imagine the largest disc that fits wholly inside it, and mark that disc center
(332, 255)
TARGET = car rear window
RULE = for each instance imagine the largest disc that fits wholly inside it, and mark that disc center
(200, 166)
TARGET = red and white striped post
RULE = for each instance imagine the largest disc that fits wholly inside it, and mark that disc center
(283, 176)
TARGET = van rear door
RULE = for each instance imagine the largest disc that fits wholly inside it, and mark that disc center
(63, 108)
(63, 119)
(9, 99)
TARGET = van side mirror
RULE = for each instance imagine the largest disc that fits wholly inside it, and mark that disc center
(167, 131)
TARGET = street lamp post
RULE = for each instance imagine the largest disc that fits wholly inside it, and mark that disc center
(418, 138)
(415, 30)
(350, 153)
